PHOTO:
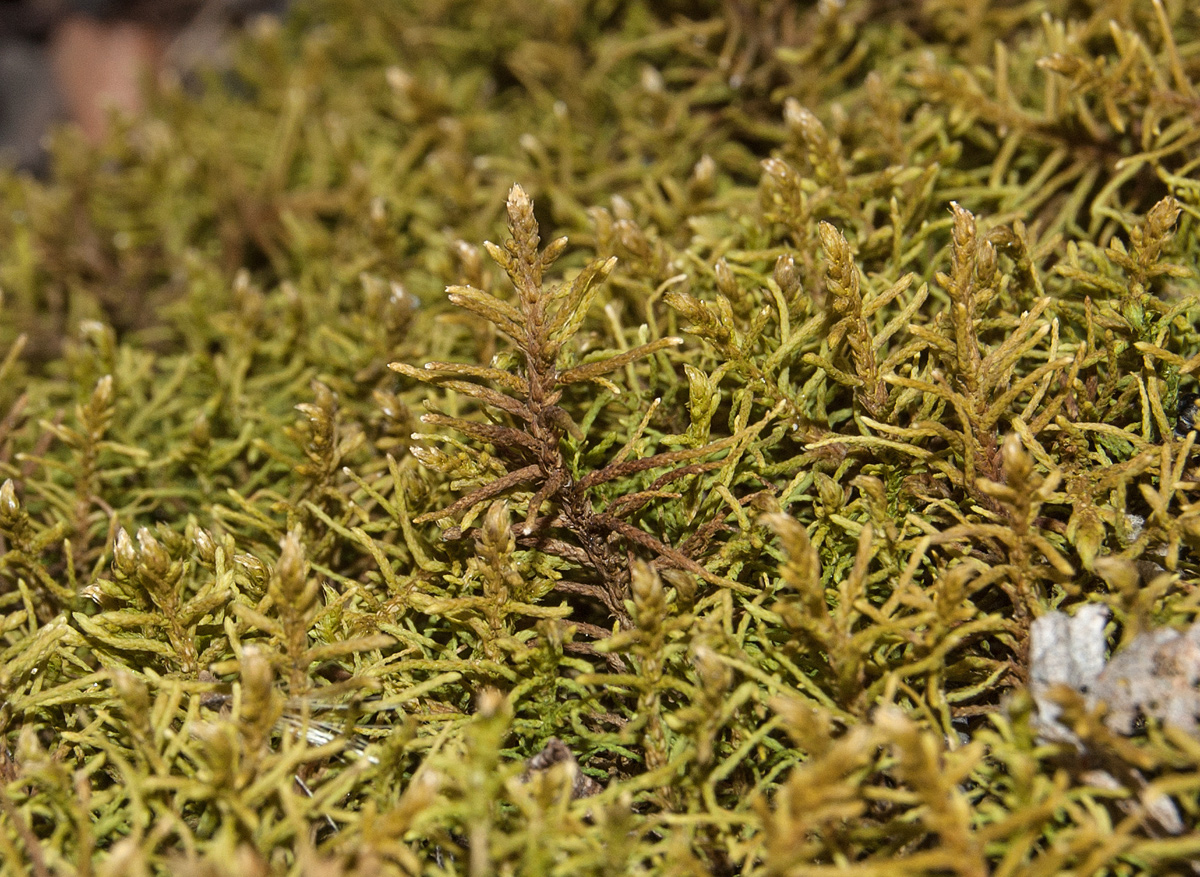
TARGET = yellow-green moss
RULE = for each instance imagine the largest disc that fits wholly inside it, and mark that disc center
(864, 350)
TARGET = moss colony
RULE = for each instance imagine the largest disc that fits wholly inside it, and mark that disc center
(708, 539)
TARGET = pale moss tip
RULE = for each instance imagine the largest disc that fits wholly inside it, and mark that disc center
(517, 199)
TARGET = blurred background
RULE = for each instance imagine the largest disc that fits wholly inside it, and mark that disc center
(81, 60)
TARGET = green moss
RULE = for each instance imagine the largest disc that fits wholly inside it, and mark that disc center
(863, 349)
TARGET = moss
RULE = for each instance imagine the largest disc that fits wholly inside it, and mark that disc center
(821, 351)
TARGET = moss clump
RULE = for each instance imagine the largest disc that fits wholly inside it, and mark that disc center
(864, 349)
